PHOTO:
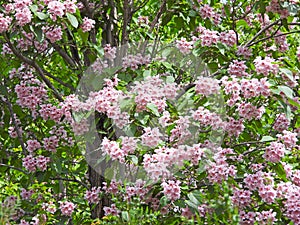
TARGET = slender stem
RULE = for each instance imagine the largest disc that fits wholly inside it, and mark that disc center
(32, 63)
(71, 180)
(274, 36)
(14, 168)
(249, 43)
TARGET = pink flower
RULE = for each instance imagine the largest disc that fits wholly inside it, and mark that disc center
(274, 152)
(93, 195)
(56, 8)
(33, 145)
(151, 137)
(281, 123)
(23, 16)
(184, 46)
(29, 162)
(87, 24)
(53, 33)
(5, 22)
(110, 52)
(111, 210)
(171, 189)
(267, 193)
(67, 208)
(207, 86)
(241, 198)
(70, 6)
(265, 66)
(238, 68)
(41, 162)
(266, 217)
(228, 38)
(26, 195)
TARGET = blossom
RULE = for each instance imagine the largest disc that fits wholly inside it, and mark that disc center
(67, 208)
(87, 24)
(171, 189)
(5, 22)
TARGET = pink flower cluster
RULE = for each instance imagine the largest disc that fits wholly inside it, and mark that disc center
(32, 163)
(254, 87)
(92, 196)
(249, 111)
(288, 138)
(30, 92)
(51, 143)
(281, 123)
(207, 86)
(111, 210)
(238, 68)
(274, 152)
(275, 7)
(26, 195)
(113, 149)
(153, 90)
(219, 170)
(171, 189)
(244, 51)
(241, 198)
(228, 38)
(184, 46)
(265, 66)
(151, 137)
(208, 37)
(87, 24)
(110, 52)
(134, 61)
(56, 9)
(207, 12)
(67, 208)
(49, 111)
(234, 127)
(180, 132)
(53, 33)
(23, 16)
(5, 22)
(129, 144)
(33, 145)
(208, 118)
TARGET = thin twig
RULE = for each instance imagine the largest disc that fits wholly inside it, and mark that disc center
(274, 36)
(71, 180)
(20, 137)
(32, 63)
(14, 168)
(261, 31)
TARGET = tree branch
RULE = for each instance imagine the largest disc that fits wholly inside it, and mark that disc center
(34, 65)
(71, 180)
(274, 36)
(14, 168)
(248, 44)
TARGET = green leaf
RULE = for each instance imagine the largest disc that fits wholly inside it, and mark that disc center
(286, 90)
(73, 20)
(287, 72)
(125, 216)
(41, 15)
(267, 138)
(134, 159)
(153, 108)
(170, 79)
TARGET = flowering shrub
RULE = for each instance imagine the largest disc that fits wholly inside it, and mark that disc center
(149, 112)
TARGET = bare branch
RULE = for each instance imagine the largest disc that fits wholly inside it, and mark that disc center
(249, 43)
